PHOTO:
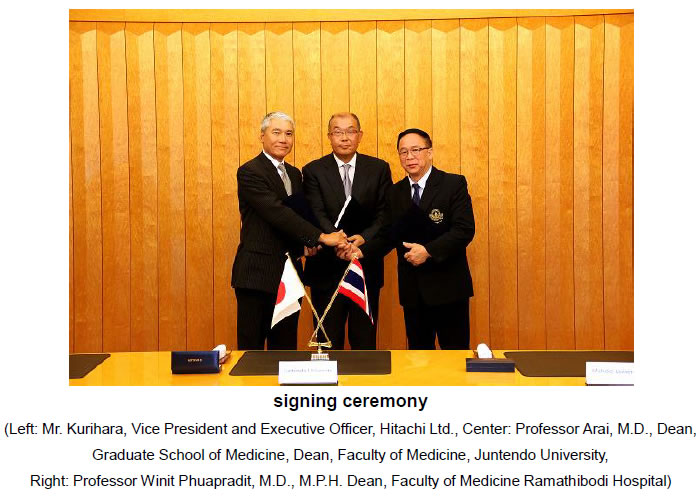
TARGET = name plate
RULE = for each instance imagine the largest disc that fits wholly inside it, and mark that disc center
(308, 373)
(609, 373)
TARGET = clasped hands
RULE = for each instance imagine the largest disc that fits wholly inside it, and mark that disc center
(416, 255)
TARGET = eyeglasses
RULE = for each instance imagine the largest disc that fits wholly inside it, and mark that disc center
(403, 153)
(350, 133)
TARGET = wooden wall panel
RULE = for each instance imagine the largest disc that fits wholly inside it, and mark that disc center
(71, 287)
(335, 76)
(503, 44)
(537, 114)
(618, 182)
(391, 331)
(474, 119)
(167, 43)
(531, 184)
(362, 51)
(199, 253)
(418, 82)
(143, 186)
(251, 88)
(226, 218)
(114, 172)
(588, 182)
(311, 129)
(279, 71)
(445, 47)
(559, 225)
(87, 202)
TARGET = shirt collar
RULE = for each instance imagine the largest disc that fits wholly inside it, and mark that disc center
(340, 163)
(423, 180)
(274, 161)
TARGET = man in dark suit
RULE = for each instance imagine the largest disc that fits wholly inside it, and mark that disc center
(430, 222)
(328, 182)
(269, 229)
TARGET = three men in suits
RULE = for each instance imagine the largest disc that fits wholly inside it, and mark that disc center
(269, 229)
(328, 182)
(430, 221)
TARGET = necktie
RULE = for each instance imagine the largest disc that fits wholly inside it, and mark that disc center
(347, 184)
(416, 194)
(285, 179)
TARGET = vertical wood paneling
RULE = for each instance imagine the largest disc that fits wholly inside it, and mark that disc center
(335, 79)
(503, 288)
(418, 82)
(251, 88)
(363, 81)
(588, 204)
(310, 128)
(114, 171)
(225, 161)
(474, 119)
(391, 331)
(618, 182)
(199, 254)
(71, 287)
(171, 187)
(445, 94)
(87, 203)
(531, 189)
(143, 186)
(279, 71)
(538, 115)
(559, 225)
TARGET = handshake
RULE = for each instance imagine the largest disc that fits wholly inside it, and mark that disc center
(345, 248)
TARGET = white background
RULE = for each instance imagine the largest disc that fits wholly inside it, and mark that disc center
(34, 251)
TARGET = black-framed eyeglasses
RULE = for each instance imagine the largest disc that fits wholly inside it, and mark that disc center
(403, 153)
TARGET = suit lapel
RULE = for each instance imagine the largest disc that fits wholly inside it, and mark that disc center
(360, 179)
(332, 172)
(271, 172)
(432, 187)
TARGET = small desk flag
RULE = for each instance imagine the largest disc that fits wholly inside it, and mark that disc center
(353, 287)
(288, 293)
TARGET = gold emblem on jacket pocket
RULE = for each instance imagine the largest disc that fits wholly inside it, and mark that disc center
(436, 216)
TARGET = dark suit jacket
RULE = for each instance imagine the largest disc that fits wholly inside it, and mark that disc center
(323, 187)
(269, 228)
(444, 224)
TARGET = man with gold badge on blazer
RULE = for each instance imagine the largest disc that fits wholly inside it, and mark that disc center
(270, 228)
(430, 221)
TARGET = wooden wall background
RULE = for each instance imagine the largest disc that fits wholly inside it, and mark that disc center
(536, 112)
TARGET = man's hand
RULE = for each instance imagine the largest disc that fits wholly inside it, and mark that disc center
(356, 240)
(333, 239)
(348, 251)
(417, 254)
(311, 251)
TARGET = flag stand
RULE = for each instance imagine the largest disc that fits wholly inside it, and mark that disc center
(320, 355)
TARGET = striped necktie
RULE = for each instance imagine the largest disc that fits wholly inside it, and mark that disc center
(285, 179)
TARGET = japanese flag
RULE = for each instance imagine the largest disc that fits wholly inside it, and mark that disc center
(288, 293)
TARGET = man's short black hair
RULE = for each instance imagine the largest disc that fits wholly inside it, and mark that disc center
(418, 131)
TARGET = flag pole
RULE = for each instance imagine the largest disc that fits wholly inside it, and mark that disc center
(335, 294)
(313, 309)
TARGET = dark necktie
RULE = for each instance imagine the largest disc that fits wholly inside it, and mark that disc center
(347, 184)
(416, 194)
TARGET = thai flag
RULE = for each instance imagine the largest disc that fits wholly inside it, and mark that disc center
(353, 287)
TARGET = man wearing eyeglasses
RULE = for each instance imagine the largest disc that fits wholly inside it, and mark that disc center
(430, 221)
(328, 182)
(270, 229)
